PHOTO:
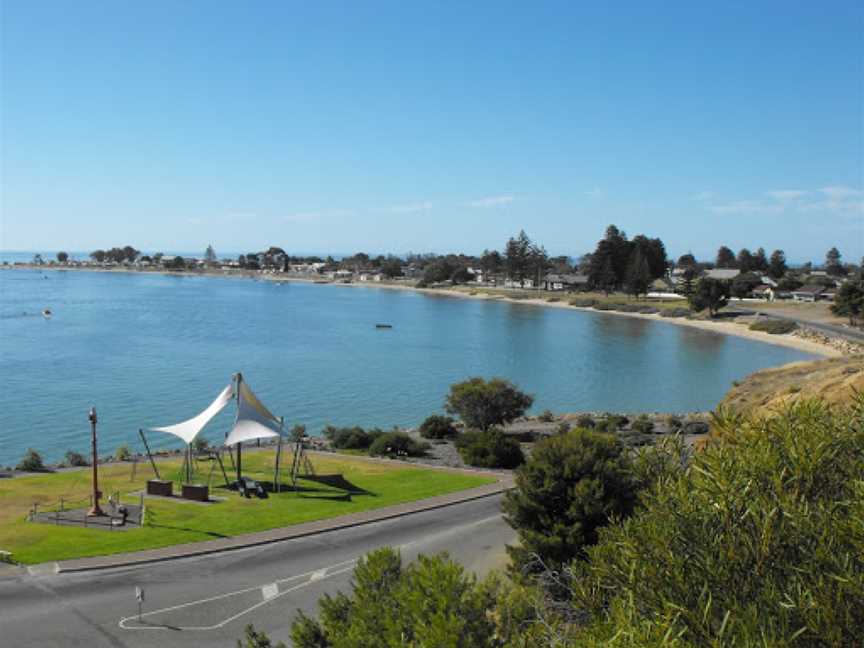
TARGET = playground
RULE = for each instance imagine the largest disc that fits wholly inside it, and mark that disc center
(332, 485)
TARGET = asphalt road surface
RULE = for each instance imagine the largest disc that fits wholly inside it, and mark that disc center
(207, 600)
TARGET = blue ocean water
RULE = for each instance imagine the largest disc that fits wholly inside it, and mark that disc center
(148, 350)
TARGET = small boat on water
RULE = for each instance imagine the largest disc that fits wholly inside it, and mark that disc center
(46, 313)
(383, 326)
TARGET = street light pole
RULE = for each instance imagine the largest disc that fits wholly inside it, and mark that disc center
(94, 511)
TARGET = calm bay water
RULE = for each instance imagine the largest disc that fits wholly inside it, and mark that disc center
(154, 350)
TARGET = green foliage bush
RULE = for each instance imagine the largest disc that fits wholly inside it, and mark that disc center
(350, 438)
(774, 326)
(123, 453)
(489, 449)
(585, 421)
(760, 542)
(675, 312)
(583, 302)
(571, 486)
(31, 462)
(546, 417)
(398, 444)
(75, 459)
(437, 427)
(430, 603)
(483, 404)
(674, 422)
(643, 424)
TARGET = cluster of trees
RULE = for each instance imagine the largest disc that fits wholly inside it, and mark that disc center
(662, 547)
(117, 255)
(632, 265)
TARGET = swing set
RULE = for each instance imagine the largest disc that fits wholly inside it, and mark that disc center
(252, 422)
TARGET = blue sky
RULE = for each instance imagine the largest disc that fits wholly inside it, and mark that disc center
(394, 126)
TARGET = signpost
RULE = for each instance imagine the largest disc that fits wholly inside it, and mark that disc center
(139, 596)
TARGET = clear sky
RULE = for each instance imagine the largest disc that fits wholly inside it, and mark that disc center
(397, 126)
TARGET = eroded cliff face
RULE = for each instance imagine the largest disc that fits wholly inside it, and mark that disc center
(834, 380)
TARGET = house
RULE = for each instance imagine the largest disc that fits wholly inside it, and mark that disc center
(809, 293)
(722, 274)
(765, 292)
(513, 283)
(565, 282)
(370, 275)
(768, 281)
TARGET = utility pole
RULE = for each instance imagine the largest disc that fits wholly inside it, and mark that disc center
(95, 511)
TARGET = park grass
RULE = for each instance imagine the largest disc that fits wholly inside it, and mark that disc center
(376, 485)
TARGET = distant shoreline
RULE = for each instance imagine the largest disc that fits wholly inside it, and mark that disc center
(724, 328)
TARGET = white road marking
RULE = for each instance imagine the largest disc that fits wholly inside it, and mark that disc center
(311, 578)
(333, 570)
(318, 575)
(272, 590)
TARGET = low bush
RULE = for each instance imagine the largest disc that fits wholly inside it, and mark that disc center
(563, 428)
(438, 427)
(350, 438)
(774, 326)
(398, 444)
(675, 312)
(123, 453)
(583, 302)
(200, 444)
(553, 300)
(76, 459)
(585, 421)
(674, 422)
(611, 423)
(490, 449)
(32, 462)
(546, 417)
(648, 310)
(643, 424)
(604, 306)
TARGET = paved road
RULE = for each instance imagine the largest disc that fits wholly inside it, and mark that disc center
(831, 330)
(206, 601)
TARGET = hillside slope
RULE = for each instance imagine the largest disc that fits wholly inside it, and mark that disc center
(834, 380)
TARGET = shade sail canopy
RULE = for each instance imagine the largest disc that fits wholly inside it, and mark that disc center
(188, 430)
(254, 421)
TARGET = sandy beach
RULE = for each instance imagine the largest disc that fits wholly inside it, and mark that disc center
(789, 340)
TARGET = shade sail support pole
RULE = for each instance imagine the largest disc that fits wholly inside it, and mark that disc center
(149, 454)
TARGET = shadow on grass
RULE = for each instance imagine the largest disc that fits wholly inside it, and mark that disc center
(338, 481)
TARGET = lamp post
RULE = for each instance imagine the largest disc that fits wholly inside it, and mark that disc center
(95, 510)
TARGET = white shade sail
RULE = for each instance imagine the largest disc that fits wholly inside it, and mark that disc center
(188, 430)
(254, 421)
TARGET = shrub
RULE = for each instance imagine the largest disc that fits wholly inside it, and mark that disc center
(438, 427)
(674, 422)
(583, 302)
(546, 417)
(398, 444)
(482, 404)
(611, 423)
(648, 310)
(431, 602)
(675, 312)
(123, 453)
(489, 449)
(553, 300)
(76, 459)
(563, 428)
(32, 462)
(774, 326)
(350, 438)
(570, 487)
(200, 444)
(585, 421)
(643, 424)
(770, 520)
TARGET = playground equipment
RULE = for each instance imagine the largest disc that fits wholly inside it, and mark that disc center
(252, 422)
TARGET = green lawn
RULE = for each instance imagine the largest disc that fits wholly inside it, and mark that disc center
(169, 522)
